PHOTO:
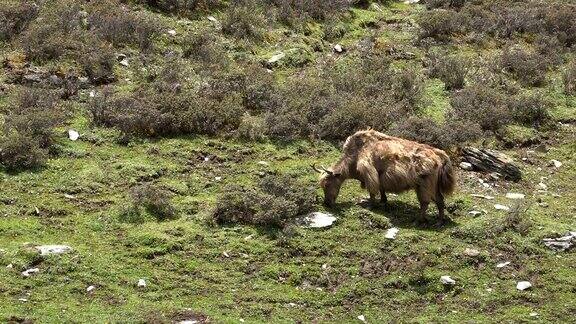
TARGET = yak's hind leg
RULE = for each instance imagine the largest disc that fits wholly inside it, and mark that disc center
(439, 199)
(425, 194)
(383, 198)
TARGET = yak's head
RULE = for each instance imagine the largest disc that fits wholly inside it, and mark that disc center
(330, 182)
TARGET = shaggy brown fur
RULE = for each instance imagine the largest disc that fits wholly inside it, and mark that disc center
(384, 163)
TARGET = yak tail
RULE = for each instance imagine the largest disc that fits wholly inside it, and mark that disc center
(446, 178)
(370, 176)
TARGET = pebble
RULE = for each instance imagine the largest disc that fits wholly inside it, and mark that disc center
(172, 32)
(482, 196)
(10, 266)
(466, 166)
(90, 288)
(263, 163)
(542, 186)
(514, 195)
(338, 48)
(29, 272)
(475, 213)
(471, 252)
(276, 58)
(501, 207)
(212, 19)
(362, 318)
(446, 280)
(533, 314)
(502, 264)
(53, 249)
(141, 283)
(73, 135)
(556, 163)
(218, 178)
(523, 285)
(319, 220)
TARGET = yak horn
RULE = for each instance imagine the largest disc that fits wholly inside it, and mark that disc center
(321, 169)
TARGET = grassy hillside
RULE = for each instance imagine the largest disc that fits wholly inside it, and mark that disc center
(179, 103)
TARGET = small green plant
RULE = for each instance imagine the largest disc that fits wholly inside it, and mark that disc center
(148, 199)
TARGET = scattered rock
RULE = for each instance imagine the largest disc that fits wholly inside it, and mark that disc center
(212, 19)
(124, 62)
(533, 314)
(263, 163)
(482, 196)
(73, 135)
(338, 48)
(226, 254)
(32, 78)
(542, 186)
(543, 204)
(23, 299)
(471, 252)
(29, 272)
(502, 264)
(446, 280)
(514, 195)
(556, 163)
(217, 178)
(172, 32)
(411, 1)
(319, 220)
(249, 237)
(466, 166)
(324, 266)
(492, 161)
(10, 266)
(561, 243)
(275, 58)
(523, 285)
(53, 249)
(90, 288)
(362, 318)
(475, 213)
(501, 207)
(391, 233)
(141, 283)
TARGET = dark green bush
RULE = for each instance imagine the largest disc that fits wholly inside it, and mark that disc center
(244, 19)
(148, 199)
(276, 202)
(530, 110)
(205, 48)
(20, 151)
(439, 24)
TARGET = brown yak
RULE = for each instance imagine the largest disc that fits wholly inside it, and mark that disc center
(384, 163)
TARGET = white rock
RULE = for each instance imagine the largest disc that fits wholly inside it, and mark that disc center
(92, 94)
(502, 264)
(523, 285)
(53, 249)
(124, 62)
(172, 32)
(411, 1)
(319, 220)
(556, 163)
(482, 196)
(446, 280)
(324, 266)
(249, 237)
(514, 195)
(218, 178)
(226, 254)
(276, 58)
(338, 48)
(533, 314)
(212, 19)
(23, 299)
(466, 166)
(10, 266)
(90, 288)
(362, 318)
(141, 283)
(542, 186)
(263, 163)
(73, 135)
(471, 252)
(501, 207)
(29, 272)
(475, 213)
(206, 159)
(242, 320)
(188, 322)
(391, 233)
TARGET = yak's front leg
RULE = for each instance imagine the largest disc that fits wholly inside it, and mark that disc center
(383, 198)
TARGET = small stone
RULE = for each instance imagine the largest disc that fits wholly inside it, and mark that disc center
(212, 19)
(69, 196)
(217, 178)
(141, 283)
(391, 233)
(471, 252)
(502, 264)
(338, 48)
(206, 158)
(556, 163)
(275, 58)
(73, 135)
(501, 207)
(319, 220)
(446, 280)
(23, 299)
(324, 266)
(263, 163)
(514, 195)
(172, 32)
(466, 166)
(90, 288)
(124, 62)
(53, 249)
(226, 254)
(29, 272)
(411, 1)
(533, 314)
(10, 266)
(249, 237)
(92, 94)
(523, 285)
(475, 213)
(542, 186)
(482, 196)
(362, 318)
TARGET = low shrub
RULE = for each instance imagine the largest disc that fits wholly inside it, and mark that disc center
(244, 19)
(569, 78)
(28, 129)
(531, 110)
(451, 70)
(205, 48)
(154, 200)
(439, 24)
(15, 17)
(291, 12)
(529, 68)
(480, 105)
(276, 202)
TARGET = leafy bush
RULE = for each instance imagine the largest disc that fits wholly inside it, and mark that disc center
(291, 12)
(148, 199)
(569, 78)
(15, 17)
(28, 129)
(480, 105)
(275, 202)
(528, 68)
(184, 7)
(451, 70)
(204, 47)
